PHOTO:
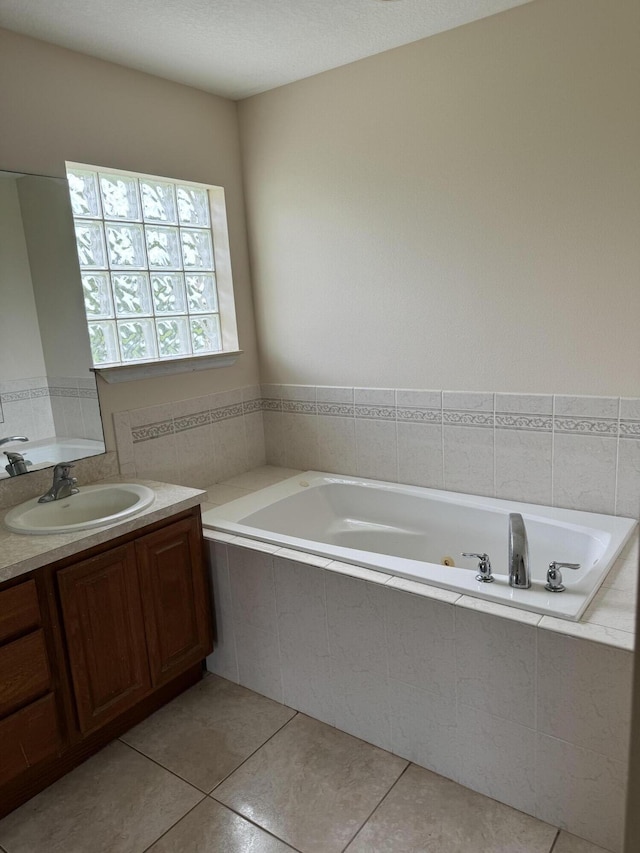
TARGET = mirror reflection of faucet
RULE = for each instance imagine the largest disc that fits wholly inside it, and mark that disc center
(17, 464)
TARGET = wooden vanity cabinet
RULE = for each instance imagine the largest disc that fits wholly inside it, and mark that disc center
(92, 644)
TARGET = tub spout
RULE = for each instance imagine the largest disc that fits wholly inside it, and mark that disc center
(519, 573)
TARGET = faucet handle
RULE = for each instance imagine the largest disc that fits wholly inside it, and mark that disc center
(554, 575)
(62, 470)
(484, 567)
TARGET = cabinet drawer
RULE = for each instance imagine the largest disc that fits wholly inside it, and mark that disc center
(28, 737)
(19, 610)
(24, 671)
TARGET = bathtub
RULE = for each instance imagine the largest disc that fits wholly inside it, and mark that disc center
(420, 534)
(49, 451)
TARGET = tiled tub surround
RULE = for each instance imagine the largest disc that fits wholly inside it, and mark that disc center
(530, 710)
(566, 451)
(46, 406)
(193, 442)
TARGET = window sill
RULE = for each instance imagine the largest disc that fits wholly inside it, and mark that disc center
(148, 369)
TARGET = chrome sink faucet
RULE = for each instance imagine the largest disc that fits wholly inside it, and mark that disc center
(63, 484)
(519, 572)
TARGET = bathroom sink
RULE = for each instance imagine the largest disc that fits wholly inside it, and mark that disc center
(93, 506)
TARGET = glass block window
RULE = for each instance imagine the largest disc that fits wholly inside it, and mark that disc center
(146, 252)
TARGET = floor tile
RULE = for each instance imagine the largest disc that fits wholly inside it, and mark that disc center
(567, 843)
(212, 828)
(311, 785)
(208, 731)
(116, 802)
(426, 813)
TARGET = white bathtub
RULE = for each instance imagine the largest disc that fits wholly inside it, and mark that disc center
(409, 531)
(49, 451)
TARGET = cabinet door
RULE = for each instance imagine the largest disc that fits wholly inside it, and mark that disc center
(103, 625)
(175, 598)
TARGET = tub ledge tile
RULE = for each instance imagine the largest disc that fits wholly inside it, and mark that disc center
(359, 572)
(589, 631)
(424, 589)
(302, 557)
(494, 609)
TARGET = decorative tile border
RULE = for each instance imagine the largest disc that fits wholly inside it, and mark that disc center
(301, 407)
(250, 406)
(412, 415)
(224, 413)
(381, 413)
(517, 420)
(344, 410)
(629, 429)
(150, 431)
(584, 426)
(460, 417)
(185, 422)
(271, 404)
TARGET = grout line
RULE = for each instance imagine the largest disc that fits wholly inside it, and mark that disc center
(615, 492)
(553, 450)
(555, 841)
(244, 761)
(253, 823)
(162, 767)
(376, 807)
(173, 825)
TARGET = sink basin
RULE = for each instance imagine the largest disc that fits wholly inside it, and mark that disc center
(93, 506)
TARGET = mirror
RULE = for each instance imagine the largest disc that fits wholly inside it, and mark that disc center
(47, 390)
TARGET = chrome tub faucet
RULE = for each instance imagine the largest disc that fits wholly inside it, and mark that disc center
(519, 571)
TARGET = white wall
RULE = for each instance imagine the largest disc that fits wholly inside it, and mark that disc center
(58, 105)
(461, 212)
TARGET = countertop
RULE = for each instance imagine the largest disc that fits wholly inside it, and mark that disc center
(20, 553)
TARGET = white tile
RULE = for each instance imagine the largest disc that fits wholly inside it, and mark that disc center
(376, 449)
(496, 665)
(523, 465)
(581, 791)
(502, 610)
(221, 493)
(420, 454)
(334, 394)
(358, 572)
(124, 443)
(252, 588)
(302, 557)
(628, 485)
(374, 396)
(586, 407)
(630, 408)
(361, 703)
(221, 399)
(589, 631)
(156, 459)
(477, 401)
(303, 393)
(497, 758)
(612, 608)
(468, 459)
(423, 728)
(418, 399)
(259, 660)
(229, 448)
(420, 640)
(526, 404)
(304, 644)
(151, 415)
(254, 435)
(255, 545)
(261, 477)
(336, 450)
(223, 661)
(251, 392)
(424, 590)
(195, 457)
(355, 618)
(584, 693)
(584, 472)
(271, 391)
(300, 440)
(623, 576)
(273, 438)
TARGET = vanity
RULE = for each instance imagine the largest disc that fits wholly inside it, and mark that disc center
(98, 629)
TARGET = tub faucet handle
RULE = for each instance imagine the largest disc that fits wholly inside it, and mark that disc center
(484, 567)
(554, 575)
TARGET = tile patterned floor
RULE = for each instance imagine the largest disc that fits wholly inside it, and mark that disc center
(224, 770)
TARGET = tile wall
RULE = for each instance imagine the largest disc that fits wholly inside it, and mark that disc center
(41, 407)
(193, 442)
(485, 696)
(566, 451)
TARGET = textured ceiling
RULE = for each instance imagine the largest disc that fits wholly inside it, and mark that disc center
(238, 48)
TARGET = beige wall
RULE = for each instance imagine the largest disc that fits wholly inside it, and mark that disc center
(58, 105)
(21, 354)
(461, 212)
